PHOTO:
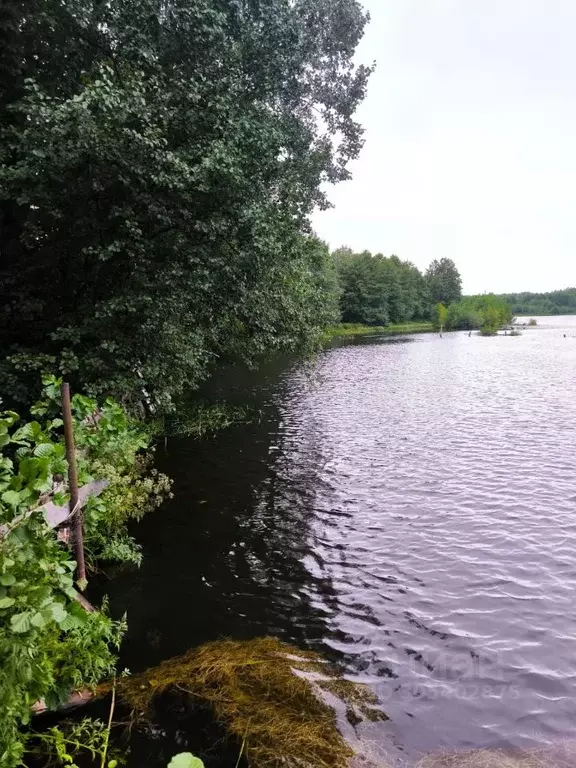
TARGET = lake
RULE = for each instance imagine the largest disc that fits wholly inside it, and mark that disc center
(406, 506)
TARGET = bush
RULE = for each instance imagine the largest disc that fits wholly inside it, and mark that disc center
(49, 645)
(114, 447)
(487, 313)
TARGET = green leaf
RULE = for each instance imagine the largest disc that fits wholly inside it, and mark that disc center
(6, 602)
(12, 498)
(58, 612)
(4, 440)
(9, 418)
(43, 450)
(39, 619)
(7, 579)
(185, 760)
(73, 622)
(21, 622)
(42, 484)
(30, 431)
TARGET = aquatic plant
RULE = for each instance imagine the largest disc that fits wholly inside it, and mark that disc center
(199, 419)
(560, 755)
(272, 697)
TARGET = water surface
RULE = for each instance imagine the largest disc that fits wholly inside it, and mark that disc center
(407, 508)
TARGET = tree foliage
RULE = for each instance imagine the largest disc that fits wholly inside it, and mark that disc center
(553, 303)
(439, 316)
(377, 290)
(487, 312)
(444, 282)
(160, 160)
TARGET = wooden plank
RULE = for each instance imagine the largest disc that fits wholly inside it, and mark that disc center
(57, 515)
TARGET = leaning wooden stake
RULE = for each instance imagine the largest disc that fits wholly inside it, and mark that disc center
(75, 509)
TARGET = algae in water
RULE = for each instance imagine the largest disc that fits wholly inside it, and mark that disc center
(269, 695)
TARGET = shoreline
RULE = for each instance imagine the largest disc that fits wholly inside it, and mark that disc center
(359, 329)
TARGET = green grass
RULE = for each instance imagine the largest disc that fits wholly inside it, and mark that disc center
(357, 329)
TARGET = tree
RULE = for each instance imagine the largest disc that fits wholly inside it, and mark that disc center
(377, 290)
(444, 281)
(439, 316)
(159, 164)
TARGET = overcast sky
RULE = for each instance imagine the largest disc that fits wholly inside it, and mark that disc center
(470, 142)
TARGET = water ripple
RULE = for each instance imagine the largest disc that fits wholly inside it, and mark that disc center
(441, 494)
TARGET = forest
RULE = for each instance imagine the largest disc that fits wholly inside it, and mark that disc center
(376, 290)
(553, 303)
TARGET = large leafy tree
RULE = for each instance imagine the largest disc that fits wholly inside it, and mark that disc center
(444, 281)
(160, 160)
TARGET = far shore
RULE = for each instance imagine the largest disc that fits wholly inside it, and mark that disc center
(359, 329)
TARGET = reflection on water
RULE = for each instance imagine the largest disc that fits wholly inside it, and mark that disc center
(410, 509)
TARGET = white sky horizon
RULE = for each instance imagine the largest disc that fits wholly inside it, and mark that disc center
(470, 149)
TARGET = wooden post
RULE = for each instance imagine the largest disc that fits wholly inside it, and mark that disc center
(75, 510)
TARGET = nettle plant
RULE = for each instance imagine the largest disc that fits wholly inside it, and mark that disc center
(49, 645)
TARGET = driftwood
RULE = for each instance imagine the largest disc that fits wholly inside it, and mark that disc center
(76, 700)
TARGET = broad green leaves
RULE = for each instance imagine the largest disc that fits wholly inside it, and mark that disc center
(21, 622)
(11, 498)
(185, 760)
(49, 645)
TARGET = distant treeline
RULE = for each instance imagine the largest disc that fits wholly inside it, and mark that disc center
(553, 303)
(378, 290)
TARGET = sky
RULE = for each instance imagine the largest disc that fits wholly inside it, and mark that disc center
(470, 146)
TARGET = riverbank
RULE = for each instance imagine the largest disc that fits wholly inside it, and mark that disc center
(359, 329)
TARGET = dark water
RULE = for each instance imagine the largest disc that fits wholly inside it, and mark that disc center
(407, 508)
